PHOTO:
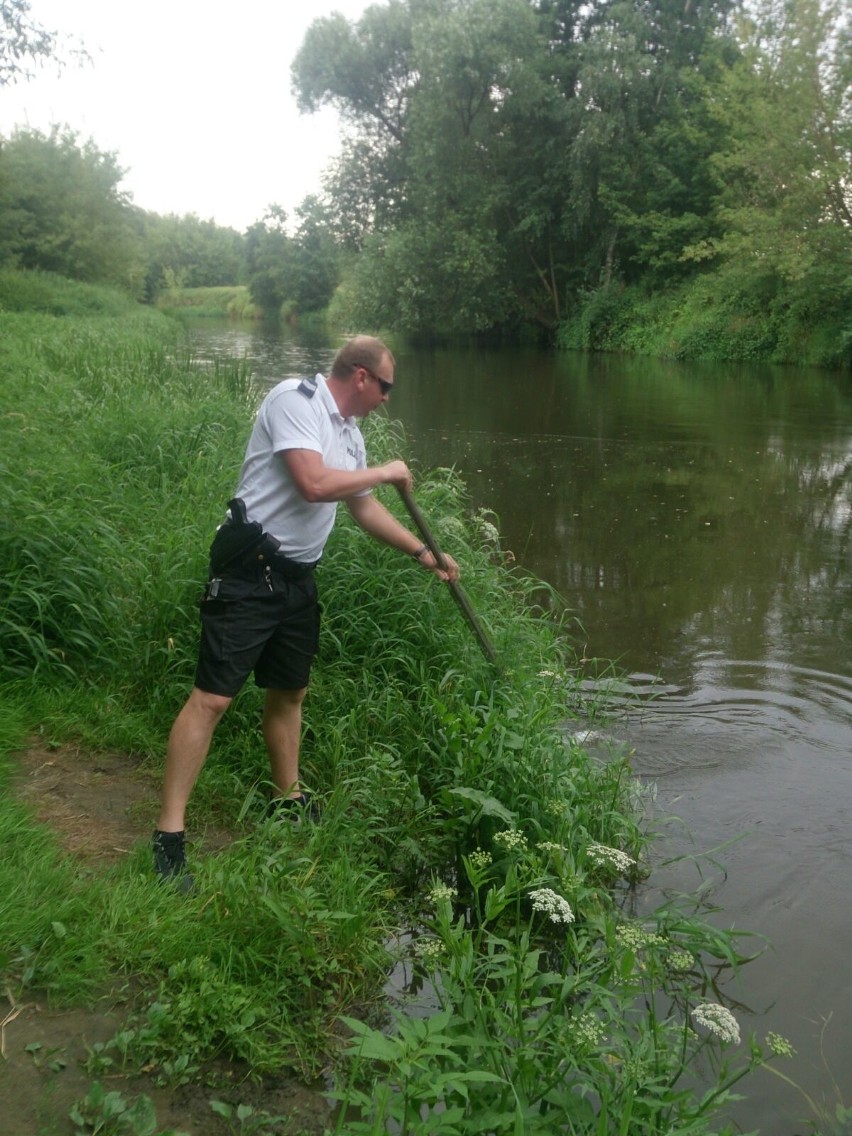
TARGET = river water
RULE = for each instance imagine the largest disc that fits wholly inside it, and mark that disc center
(698, 521)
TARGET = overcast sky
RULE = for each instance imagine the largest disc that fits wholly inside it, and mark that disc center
(193, 95)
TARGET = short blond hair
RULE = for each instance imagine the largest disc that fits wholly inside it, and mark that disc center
(360, 351)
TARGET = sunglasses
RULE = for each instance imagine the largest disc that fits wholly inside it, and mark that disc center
(384, 385)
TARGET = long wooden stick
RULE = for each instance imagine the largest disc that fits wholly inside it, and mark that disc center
(458, 592)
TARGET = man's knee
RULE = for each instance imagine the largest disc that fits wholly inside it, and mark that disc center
(285, 699)
(211, 706)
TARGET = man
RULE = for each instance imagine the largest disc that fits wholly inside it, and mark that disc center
(260, 612)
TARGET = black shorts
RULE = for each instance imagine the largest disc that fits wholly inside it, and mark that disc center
(260, 621)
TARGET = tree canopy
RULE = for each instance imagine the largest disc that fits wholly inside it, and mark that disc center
(507, 165)
(24, 42)
(505, 159)
(62, 208)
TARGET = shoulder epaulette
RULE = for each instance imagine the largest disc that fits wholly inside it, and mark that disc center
(307, 387)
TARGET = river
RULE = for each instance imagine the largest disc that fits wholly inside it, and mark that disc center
(698, 521)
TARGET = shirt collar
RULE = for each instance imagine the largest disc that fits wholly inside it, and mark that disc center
(329, 403)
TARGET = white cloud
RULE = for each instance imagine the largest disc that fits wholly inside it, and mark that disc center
(193, 96)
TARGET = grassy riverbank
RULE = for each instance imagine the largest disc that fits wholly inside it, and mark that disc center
(716, 319)
(463, 831)
(210, 303)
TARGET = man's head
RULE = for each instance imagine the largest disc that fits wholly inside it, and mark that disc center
(362, 375)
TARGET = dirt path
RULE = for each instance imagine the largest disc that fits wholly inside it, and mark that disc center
(100, 806)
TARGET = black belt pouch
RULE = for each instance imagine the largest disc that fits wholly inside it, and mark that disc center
(239, 540)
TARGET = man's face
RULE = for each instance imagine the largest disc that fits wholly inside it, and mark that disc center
(376, 385)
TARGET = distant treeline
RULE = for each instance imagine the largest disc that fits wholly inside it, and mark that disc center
(671, 178)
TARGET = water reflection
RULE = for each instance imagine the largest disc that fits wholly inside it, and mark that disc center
(698, 520)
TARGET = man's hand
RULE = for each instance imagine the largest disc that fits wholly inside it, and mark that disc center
(397, 473)
(449, 576)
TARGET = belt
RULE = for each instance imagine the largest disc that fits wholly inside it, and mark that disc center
(291, 569)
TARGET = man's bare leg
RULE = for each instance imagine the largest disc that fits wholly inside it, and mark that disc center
(189, 744)
(282, 732)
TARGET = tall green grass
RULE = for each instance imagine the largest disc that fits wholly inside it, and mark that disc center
(715, 317)
(451, 794)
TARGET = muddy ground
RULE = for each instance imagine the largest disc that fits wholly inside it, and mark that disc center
(100, 806)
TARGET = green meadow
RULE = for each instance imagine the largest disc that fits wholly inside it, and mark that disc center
(465, 835)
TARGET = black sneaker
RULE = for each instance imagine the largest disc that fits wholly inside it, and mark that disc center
(170, 860)
(293, 810)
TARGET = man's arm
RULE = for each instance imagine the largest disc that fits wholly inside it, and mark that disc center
(375, 519)
(318, 482)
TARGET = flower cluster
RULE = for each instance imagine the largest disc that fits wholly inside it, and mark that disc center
(441, 891)
(559, 808)
(779, 1046)
(557, 909)
(452, 527)
(636, 938)
(488, 531)
(605, 857)
(552, 846)
(588, 1030)
(512, 840)
(679, 960)
(480, 860)
(718, 1020)
(429, 950)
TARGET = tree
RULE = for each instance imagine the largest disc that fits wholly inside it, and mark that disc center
(783, 178)
(641, 186)
(269, 261)
(315, 258)
(513, 154)
(186, 252)
(506, 159)
(426, 87)
(61, 209)
(299, 271)
(366, 72)
(22, 40)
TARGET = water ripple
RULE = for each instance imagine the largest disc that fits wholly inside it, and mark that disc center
(729, 711)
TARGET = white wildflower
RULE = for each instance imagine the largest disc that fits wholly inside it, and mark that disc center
(480, 860)
(453, 527)
(558, 808)
(488, 532)
(779, 1046)
(636, 938)
(557, 909)
(511, 839)
(679, 960)
(588, 1030)
(429, 950)
(718, 1020)
(636, 1070)
(547, 674)
(441, 891)
(552, 846)
(605, 857)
